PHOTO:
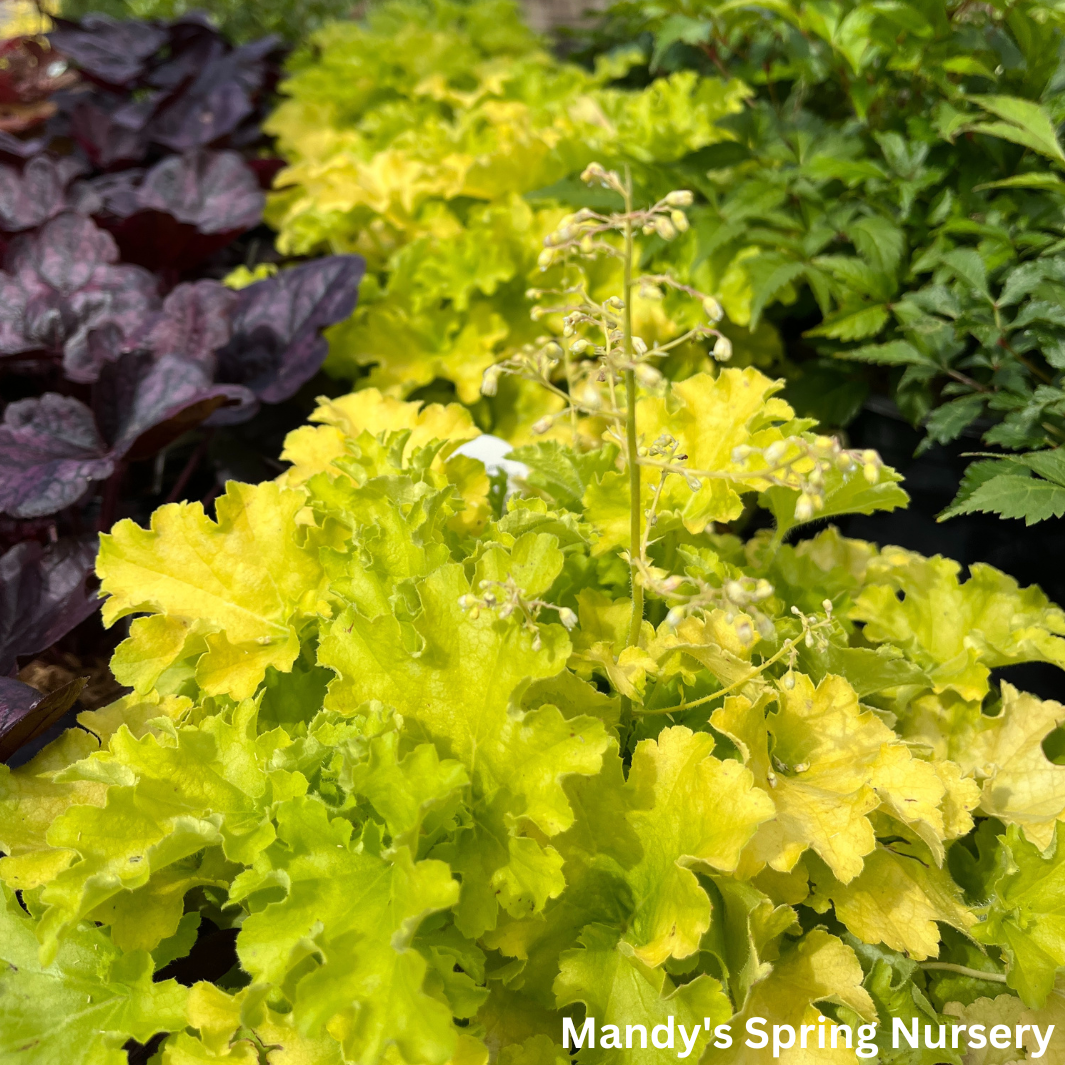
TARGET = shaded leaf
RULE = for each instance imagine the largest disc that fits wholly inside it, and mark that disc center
(276, 343)
(194, 322)
(143, 404)
(25, 712)
(50, 452)
(42, 595)
(110, 52)
(39, 192)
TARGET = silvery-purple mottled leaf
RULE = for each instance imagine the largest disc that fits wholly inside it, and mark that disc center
(111, 52)
(194, 322)
(109, 194)
(109, 311)
(39, 192)
(14, 148)
(43, 595)
(277, 343)
(25, 713)
(73, 298)
(13, 338)
(214, 191)
(142, 404)
(63, 254)
(50, 452)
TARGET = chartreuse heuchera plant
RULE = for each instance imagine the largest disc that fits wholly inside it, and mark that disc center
(452, 761)
(441, 142)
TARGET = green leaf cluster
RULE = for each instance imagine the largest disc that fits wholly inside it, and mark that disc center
(386, 724)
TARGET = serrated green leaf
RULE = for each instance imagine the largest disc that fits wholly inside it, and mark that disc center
(83, 1006)
(245, 578)
(618, 989)
(1025, 123)
(1012, 495)
(1024, 918)
(852, 324)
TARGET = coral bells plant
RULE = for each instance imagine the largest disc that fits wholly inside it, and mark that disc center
(421, 767)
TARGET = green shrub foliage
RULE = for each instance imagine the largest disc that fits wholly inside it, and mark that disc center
(455, 762)
(896, 197)
(241, 21)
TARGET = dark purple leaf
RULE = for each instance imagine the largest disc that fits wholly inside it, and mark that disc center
(112, 53)
(43, 595)
(110, 135)
(63, 254)
(277, 343)
(25, 712)
(211, 101)
(194, 322)
(143, 404)
(13, 333)
(40, 192)
(11, 147)
(66, 295)
(110, 311)
(50, 452)
(214, 191)
(194, 45)
(179, 212)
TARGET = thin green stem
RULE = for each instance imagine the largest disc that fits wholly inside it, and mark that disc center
(631, 440)
(757, 671)
(964, 970)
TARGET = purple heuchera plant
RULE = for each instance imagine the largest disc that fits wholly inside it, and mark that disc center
(116, 345)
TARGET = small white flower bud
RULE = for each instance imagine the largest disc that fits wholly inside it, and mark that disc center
(775, 452)
(647, 375)
(542, 425)
(680, 198)
(804, 508)
(568, 618)
(680, 220)
(490, 380)
(714, 310)
(722, 349)
(665, 228)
